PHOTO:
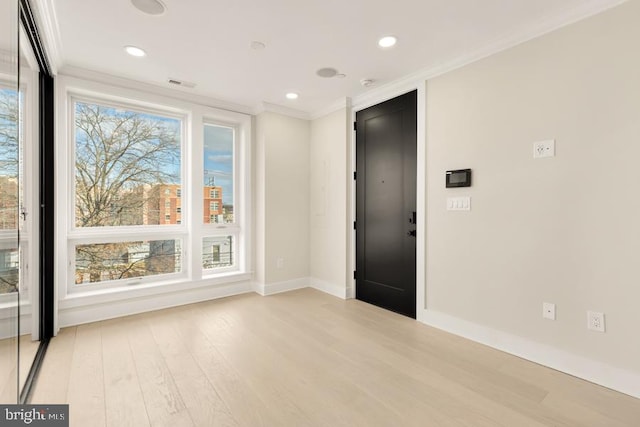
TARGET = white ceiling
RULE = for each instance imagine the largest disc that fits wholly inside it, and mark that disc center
(207, 42)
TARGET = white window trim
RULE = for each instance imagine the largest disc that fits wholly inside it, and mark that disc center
(190, 231)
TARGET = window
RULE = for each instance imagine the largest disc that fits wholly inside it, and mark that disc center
(10, 152)
(219, 142)
(126, 163)
(220, 181)
(123, 159)
(125, 260)
(126, 216)
(217, 252)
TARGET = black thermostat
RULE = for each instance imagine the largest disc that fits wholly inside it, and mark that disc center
(459, 178)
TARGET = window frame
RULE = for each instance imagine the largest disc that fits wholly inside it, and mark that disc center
(234, 229)
(190, 230)
(107, 234)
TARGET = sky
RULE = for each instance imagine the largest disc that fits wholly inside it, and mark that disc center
(218, 159)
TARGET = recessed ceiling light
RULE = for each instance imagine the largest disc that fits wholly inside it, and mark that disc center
(150, 7)
(292, 95)
(387, 41)
(256, 45)
(340, 76)
(135, 51)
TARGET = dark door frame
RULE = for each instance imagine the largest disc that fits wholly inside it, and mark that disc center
(46, 194)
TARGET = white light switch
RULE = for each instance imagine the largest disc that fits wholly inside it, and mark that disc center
(544, 149)
(459, 203)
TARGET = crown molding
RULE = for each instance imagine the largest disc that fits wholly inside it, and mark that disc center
(122, 82)
(279, 109)
(411, 81)
(333, 107)
(47, 21)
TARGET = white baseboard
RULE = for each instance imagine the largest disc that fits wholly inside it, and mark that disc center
(596, 372)
(81, 314)
(329, 288)
(265, 289)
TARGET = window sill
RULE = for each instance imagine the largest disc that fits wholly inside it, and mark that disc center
(105, 295)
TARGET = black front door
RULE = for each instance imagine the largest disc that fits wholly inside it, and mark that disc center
(386, 138)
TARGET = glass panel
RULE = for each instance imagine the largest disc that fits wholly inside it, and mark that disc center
(9, 199)
(29, 194)
(217, 252)
(9, 158)
(9, 273)
(127, 166)
(99, 262)
(218, 174)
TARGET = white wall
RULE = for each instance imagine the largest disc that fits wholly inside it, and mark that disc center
(329, 215)
(564, 230)
(282, 214)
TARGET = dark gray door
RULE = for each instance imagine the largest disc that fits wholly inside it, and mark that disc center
(386, 138)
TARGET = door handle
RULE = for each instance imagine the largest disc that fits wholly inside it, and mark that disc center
(411, 233)
(412, 219)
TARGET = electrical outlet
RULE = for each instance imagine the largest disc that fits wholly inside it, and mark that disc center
(595, 321)
(544, 149)
(549, 310)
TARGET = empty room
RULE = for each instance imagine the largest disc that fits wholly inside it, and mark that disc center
(319, 213)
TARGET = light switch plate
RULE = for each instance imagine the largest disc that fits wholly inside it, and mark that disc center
(544, 149)
(459, 203)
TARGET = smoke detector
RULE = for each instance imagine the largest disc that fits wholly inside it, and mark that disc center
(327, 72)
(367, 82)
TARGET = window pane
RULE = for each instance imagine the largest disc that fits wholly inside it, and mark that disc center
(217, 252)
(127, 166)
(101, 262)
(218, 174)
(9, 266)
(9, 159)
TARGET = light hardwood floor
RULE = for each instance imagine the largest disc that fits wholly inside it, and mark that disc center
(304, 358)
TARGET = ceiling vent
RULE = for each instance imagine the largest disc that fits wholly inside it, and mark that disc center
(182, 83)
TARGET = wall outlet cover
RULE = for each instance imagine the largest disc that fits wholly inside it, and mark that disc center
(544, 149)
(549, 310)
(595, 321)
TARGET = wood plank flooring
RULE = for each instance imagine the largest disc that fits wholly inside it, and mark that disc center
(304, 358)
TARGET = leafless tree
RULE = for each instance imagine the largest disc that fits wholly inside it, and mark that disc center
(119, 156)
(8, 132)
(121, 159)
(9, 157)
